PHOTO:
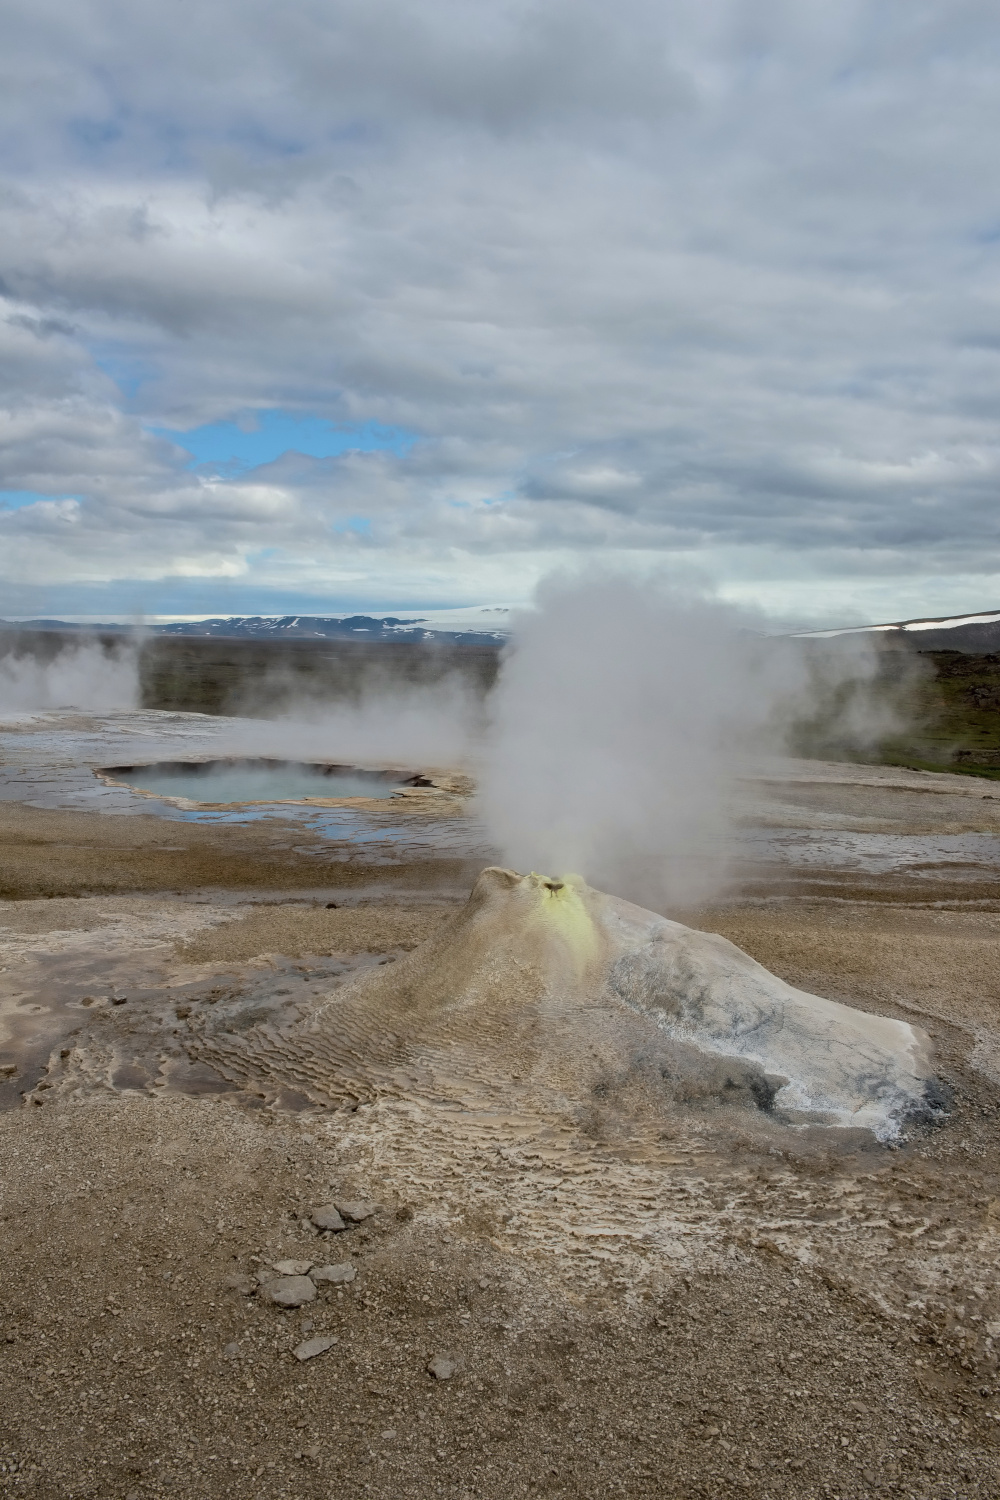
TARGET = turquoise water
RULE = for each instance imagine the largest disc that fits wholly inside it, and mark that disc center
(256, 781)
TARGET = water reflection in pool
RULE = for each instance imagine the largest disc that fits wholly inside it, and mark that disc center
(216, 782)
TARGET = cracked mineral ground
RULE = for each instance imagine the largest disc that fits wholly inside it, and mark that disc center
(525, 1299)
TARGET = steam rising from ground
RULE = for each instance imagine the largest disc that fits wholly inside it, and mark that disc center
(385, 723)
(409, 728)
(84, 675)
(626, 714)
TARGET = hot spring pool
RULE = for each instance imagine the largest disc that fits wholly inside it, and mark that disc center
(229, 781)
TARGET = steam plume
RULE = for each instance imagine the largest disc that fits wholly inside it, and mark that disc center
(624, 717)
(387, 724)
(83, 675)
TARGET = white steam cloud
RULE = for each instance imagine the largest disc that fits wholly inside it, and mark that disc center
(83, 675)
(404, 727)
(613, 745)
(624, 717)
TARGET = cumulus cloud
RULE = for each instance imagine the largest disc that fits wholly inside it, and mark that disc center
(712, 282)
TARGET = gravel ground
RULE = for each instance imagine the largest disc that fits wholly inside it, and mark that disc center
(133, 1361)
(719, 1312)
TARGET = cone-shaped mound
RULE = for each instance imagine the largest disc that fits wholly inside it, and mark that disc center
(549, 987)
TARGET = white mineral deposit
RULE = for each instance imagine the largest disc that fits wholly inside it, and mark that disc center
(550, 986)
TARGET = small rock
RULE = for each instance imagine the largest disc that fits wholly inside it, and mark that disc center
(292, 1267)
(290, 1291)
(344, 1271)
(444, 1366)
(389, 1434)
(231, 1350)
(356, 1213)
(264, 1274)
(327, 1217)
(312, 1347)
(119, 999)
(246, 1285)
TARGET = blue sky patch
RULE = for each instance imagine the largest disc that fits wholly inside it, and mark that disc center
(127, 372)
(234, 447)
(18, 499)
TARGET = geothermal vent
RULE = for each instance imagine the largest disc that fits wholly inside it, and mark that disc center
(544, 990)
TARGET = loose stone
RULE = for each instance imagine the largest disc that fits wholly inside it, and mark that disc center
(444, 1366)
(290, 1291)
(327, 1217)
(344, 1271)
(312, 1347)
(291, 1267)
(357, 1212)
(243, 1284)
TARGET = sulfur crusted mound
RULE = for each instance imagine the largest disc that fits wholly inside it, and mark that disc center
(546, 988)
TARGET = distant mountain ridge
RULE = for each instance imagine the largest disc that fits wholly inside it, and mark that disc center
(974, 634)
(293, 627)
(329, 627)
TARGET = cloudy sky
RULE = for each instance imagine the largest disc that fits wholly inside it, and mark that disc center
(369, 304)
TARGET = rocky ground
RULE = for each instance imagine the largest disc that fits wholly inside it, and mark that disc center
(535, 1308)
